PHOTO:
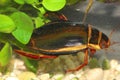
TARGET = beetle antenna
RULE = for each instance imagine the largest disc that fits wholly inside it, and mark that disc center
(113, 43)
(110, 36)
(87, 10)
(109, 49)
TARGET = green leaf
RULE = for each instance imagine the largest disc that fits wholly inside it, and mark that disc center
(31, 64)
(31, 1)
(5, 54)
(20, 1)
(24, 27)
(39, 22)
(42, 10)
(6, 24)
(54, 5)
(4, 3)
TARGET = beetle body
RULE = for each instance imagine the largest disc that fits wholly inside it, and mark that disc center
(63, 38)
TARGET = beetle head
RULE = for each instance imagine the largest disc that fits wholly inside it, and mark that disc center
(105, 42)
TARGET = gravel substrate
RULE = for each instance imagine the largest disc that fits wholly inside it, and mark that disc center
(20, 72)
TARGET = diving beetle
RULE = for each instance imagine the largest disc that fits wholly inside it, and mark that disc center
(64, 37)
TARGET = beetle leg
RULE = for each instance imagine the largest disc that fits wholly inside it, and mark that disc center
(92, 52)
(82, 65)
(32, 55)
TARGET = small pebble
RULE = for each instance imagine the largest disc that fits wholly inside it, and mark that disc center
(118, 67)
(94, 74)
(117, 77)
(58, 77)
(69, 77)
(44, 76)
(113, 64)
(11, 78)
(106, 74)
(0, 74)
(19, 64)
(79, 73)
(26, 76)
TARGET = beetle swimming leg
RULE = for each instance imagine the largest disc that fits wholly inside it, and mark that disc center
(33, 55)
(82, 65)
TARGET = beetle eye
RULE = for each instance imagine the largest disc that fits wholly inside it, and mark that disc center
(103, 44)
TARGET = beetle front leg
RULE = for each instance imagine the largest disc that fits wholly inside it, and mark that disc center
(82, 65)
